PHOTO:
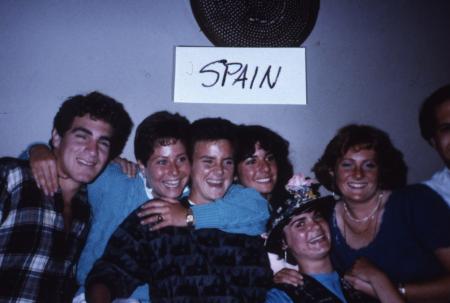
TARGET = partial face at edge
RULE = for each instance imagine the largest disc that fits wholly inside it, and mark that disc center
(167, 170)
(83, 151)
(441, 138)
(212, 170)
(259, 171)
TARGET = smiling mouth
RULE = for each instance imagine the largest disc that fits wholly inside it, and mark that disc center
(215, 183)
(317, 239)
(357, 185)
(172, 183)
(264, 180)
(86, 162)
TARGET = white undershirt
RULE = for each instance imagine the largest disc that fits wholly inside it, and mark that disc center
(440, 182)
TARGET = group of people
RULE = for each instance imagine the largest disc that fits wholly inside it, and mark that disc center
(210, 200)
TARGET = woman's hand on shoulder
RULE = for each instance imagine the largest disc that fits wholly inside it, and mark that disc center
(163, 212)
(128, 167)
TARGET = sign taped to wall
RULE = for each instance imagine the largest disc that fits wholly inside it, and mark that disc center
(240, 75)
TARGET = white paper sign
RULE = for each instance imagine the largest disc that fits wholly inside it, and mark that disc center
(240, 75)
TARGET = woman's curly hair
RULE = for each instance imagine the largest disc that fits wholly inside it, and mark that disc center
(270, 141)
(392, 167)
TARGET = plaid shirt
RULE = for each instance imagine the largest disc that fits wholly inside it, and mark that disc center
(37, 256)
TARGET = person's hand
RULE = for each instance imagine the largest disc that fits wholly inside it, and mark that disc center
(163, 212)
(43, 168)
(367, 278)
(361, 274)
(360, 284)
(288, 276)
(364, 269)
(128, 167)
(98, 293)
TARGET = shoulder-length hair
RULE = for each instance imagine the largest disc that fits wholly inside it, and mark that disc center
(392, 168)
(270, 141)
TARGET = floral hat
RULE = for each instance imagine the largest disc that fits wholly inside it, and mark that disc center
(303, 196)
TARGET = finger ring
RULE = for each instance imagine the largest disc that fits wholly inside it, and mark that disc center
(160, 218)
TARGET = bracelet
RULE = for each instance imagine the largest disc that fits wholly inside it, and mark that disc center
(402, 290)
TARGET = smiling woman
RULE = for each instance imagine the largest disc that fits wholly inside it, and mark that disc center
(212, 170)
(263, 163)
(298, 228)
(400, 231)
(167, 170)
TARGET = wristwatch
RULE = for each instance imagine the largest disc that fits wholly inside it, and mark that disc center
(189, 218)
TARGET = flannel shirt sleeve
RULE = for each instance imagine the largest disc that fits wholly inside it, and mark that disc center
(10, 178)
(122, 267)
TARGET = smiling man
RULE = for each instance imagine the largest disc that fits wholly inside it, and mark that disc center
(434, 120)
(41, 236)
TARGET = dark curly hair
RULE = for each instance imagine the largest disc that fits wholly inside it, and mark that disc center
(98, 106)
(392, 168)
(271, 142)
(160, 128)
(427, 114)
(211, 129)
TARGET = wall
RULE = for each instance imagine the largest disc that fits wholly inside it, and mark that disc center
(367, 61)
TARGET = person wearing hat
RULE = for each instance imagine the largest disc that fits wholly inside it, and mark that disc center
(299, 232)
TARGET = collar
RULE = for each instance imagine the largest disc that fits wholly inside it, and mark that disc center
(148, 190)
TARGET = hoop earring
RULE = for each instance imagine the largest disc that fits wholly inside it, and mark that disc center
(285, 256)
(336, 197)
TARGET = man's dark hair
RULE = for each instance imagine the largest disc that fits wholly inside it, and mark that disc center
(273, 143)
(159, 129)
(392, 167)
(211, 129)
(427, 114)
(98, 106)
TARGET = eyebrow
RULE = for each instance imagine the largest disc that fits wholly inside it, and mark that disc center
(154, 157)
(296, 220)
(88, 132)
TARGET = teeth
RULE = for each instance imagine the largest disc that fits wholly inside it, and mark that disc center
(357, 185)
(317, 238)
(87, 163)
(215, 182)
(264, 180)
(172, 183)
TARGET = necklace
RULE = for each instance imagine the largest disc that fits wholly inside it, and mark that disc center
(369, 216)
(359, 239)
